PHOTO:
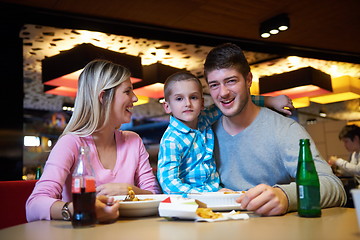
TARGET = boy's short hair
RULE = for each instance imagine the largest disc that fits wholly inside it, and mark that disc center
(227, 55)
(349, 131)
(177, 77)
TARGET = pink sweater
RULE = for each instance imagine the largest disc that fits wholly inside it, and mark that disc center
(132, 167)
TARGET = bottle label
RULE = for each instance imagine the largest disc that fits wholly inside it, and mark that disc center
(90, 184)
(301, 191)
(309, 198)
(76, 185)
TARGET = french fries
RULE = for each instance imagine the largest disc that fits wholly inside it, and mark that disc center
(234, 192)
(208, 213)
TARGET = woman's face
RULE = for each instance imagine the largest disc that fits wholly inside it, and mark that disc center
(123, 103)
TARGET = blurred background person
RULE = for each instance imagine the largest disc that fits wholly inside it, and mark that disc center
(350, 136)
(29, 173)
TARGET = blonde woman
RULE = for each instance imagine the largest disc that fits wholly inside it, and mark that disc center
(104, 101)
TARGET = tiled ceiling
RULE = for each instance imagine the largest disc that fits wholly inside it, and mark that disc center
(40, 42)
(327, 25)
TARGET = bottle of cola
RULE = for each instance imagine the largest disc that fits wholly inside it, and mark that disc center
(83, 191)
(307, 182)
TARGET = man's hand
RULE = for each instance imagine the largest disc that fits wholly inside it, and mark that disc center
(264, 200)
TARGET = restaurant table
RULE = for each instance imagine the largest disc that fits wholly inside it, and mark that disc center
(335, 223)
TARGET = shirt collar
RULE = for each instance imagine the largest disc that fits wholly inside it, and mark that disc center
(180, 126)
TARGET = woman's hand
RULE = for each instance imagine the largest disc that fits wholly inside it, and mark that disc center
(107, 209)
(113, 189)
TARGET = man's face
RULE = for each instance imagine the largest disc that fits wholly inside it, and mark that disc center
(229, 90)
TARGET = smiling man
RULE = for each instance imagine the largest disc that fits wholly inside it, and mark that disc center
(256, 149)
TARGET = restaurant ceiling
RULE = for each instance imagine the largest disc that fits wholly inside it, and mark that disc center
(327, 26)
(41, 42)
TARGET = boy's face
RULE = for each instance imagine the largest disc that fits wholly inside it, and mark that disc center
(351, 145)
(185, 102)
(229, 90)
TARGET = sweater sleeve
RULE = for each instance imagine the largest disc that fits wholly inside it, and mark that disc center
(57, 173)
(331, 189)
(349, 168)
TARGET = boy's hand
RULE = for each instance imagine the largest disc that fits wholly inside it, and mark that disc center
(281, 103)
(332, 160)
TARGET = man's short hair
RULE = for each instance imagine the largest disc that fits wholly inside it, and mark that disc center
(227, 55)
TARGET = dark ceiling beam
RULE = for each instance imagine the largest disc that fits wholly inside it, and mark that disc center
(76, 58)
(31, 15)
(156, 73)
(299, 77)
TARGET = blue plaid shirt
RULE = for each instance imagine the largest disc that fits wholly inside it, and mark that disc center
(186, 163)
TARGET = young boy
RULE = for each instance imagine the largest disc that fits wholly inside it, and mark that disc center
(350, 136)
(185, 161)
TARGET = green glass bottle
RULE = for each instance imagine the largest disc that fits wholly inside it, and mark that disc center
(38, 173)
(307, 183)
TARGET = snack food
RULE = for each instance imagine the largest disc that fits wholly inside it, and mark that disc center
(208, 213)
(233, 192)
(131, 196)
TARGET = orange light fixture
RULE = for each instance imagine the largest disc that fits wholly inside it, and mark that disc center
(61, 72)
(141, 100)
(61, 91)
(153, 82)
(68, 90)
(297, 84)
(155, 90)
(301, 102)
(67, 85)
(71, 80)
(344, 88)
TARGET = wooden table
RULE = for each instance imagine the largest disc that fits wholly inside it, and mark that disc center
(335, 223)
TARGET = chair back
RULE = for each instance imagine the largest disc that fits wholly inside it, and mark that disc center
(12, 201)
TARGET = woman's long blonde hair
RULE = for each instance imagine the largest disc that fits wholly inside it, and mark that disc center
(89, 113)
